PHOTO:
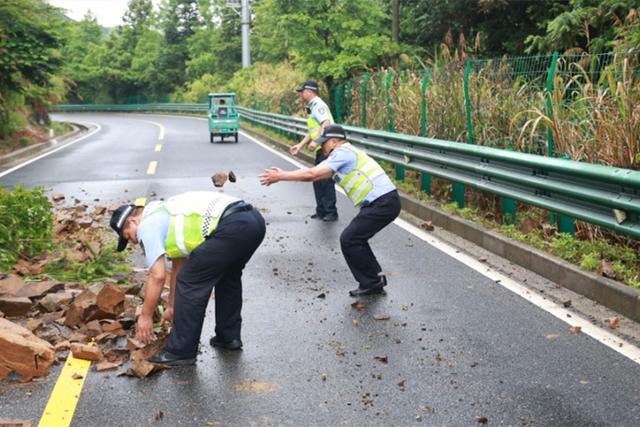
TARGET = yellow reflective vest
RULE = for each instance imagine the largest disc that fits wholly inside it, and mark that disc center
(192, 217)
(359, 182)
(312, 124)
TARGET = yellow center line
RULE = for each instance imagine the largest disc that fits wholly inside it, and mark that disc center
(66, 393)
(152, 167)
(158, 147)
(160, 125)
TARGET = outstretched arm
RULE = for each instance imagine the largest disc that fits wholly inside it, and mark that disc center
(316, 173)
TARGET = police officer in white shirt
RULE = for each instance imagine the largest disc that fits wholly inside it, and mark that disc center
(368, 186)
(319, 117)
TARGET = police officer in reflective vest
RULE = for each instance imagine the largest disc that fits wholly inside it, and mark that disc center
(368, 186)
(318, 118)
(209, 238)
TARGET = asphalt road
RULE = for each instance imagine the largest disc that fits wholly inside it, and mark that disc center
(459, 345)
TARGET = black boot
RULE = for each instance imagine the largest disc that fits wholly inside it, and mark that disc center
(378, 288)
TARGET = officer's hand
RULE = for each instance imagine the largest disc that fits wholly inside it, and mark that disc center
(294, 150)
(270, 176)
(167, 316)
(313, 145)
(144, 328)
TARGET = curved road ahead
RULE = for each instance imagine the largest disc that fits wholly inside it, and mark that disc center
(459, 344)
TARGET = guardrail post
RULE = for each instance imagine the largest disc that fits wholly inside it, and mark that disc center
(467, 101)
(425, 179)
(566, 224)
(550, 76)
(391, 125)
(459, 189)
(337, 97)
(364, 88)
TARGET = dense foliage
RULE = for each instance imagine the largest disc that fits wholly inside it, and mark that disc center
(183, 49)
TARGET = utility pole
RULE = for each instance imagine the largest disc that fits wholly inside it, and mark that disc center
(245, 25)
(395, 20)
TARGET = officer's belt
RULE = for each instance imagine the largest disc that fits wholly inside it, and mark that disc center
(239, 206)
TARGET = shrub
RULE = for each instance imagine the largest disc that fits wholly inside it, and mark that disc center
(26, 224)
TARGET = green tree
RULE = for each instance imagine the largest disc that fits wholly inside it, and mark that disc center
(29, 57)
(592, 25)
(331, 39)
(490, 27)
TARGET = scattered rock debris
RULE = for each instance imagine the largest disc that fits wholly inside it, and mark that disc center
(219, 179)
(46, 319)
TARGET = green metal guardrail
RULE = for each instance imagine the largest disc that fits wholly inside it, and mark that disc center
(184, 108)
(602, 195)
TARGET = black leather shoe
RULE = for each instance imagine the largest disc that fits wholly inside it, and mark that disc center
(378, 288)
(330, 218)
(170, 359)
(229, 345)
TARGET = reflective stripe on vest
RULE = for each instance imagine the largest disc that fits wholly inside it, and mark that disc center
(359, 182)
(192, 217)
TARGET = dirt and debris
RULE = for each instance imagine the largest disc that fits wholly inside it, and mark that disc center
(575, 329)
(43, 321)
(232, 176)
(7, 422)
(428, 226)
(613, 323)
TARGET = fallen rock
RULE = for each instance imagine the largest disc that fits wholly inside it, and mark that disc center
(428, 226)
(381, 317)
(86, 352)
(232, 176)
(105, 366)
(219, 179)
(82, 308)
(613, 323)
(39, 289)
(11, 284)
(110, 300)
(15, 306)
(91, 329)
(111, 326)
(55, 301)
(34, 324)
(23, 352)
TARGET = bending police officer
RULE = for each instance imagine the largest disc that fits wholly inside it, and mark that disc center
(209, 238)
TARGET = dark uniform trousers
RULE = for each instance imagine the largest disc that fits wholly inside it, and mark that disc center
(218, 262)
(325, 192)
(354, 239)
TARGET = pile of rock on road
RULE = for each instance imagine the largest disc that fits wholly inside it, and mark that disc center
(41, 322)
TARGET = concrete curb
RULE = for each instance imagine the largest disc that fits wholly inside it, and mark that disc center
(611, 294)
(26, 153)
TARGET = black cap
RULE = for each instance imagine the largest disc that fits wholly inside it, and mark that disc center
(309, 84)
(330, 132)
(118, 219)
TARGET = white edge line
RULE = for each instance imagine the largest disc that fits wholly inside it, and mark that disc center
(15, 168)
(619, 345)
